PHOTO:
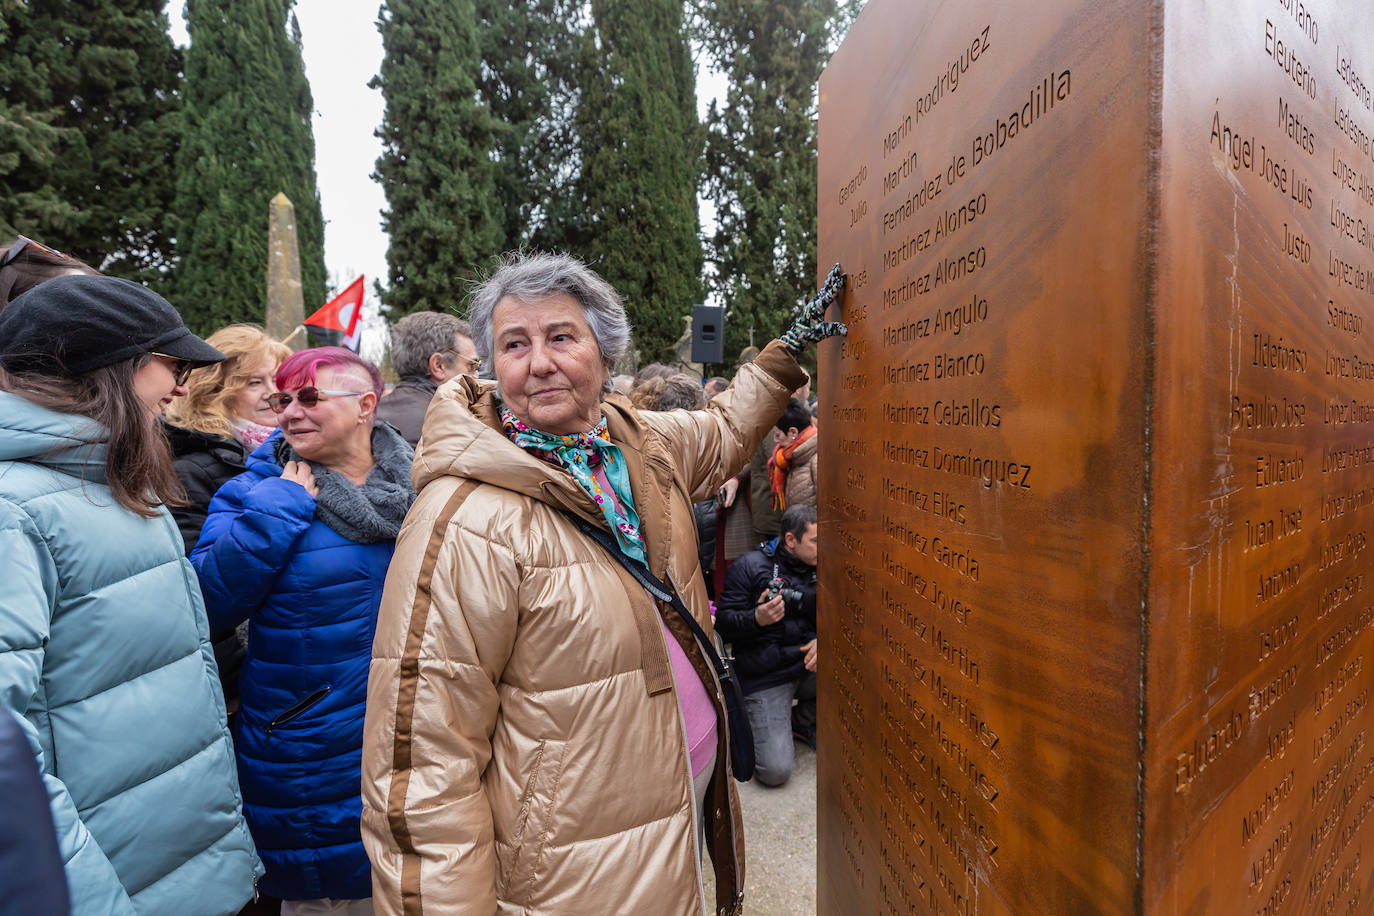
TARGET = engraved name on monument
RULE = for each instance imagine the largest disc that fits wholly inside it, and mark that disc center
(1099, 459)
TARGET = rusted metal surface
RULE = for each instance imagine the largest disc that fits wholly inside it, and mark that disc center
(1098, 459)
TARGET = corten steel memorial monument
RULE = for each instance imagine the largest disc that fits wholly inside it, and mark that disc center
(1098, 474)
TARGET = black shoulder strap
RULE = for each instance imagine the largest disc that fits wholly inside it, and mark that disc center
(654, 586)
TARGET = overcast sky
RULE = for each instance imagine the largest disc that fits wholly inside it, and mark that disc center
(342, 51)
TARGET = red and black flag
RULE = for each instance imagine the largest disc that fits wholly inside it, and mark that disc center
(336, 324)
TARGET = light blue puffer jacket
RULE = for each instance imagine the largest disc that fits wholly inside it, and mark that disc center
(105, 657)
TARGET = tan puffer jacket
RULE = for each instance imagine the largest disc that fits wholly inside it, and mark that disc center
(524, 749)
(801, 475)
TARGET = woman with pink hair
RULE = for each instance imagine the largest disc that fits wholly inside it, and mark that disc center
(298, 545)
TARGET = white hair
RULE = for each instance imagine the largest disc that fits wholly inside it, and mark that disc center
(534, 277)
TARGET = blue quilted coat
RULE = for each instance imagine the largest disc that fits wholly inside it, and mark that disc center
(311, 596)
(105, 659)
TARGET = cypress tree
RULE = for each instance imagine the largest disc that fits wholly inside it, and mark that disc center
(89, 126)
(528, 82)
(761, 158)
(30, 137)
(436, 167)
(246, 136)
(640, 146)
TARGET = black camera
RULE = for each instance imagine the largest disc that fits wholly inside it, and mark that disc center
(791, 597)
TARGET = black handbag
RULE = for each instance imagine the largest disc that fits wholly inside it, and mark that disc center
(739, 736)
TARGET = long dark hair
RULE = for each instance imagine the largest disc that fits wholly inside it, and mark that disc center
(138, 459)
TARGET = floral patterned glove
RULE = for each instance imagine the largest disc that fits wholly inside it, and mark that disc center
(809, 327)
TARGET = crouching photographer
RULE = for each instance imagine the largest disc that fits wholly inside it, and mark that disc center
(767, 611)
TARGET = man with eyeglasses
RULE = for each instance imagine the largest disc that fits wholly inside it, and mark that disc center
(427, 349)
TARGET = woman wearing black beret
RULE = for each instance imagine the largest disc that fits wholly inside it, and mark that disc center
(104, 648)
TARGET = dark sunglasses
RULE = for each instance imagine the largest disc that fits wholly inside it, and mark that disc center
(181, 368)
(308, 397)
(25, 242)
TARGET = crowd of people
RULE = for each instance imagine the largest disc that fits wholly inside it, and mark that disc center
(276, 639)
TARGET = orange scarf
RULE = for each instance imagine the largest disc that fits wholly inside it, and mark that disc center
(778, 466)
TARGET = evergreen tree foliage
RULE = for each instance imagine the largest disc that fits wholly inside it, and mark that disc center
(640, 144)
(436, 166)
(761, 157)
(528, 80)
(30, 136)
(246, 136)
(89, 126)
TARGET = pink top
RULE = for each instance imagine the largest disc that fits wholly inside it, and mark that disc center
(698, 711)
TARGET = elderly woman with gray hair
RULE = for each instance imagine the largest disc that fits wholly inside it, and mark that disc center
(543, 735)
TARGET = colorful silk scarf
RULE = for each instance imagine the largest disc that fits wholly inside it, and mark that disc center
(579, 455)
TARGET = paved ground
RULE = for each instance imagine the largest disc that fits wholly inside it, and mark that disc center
(780, 843)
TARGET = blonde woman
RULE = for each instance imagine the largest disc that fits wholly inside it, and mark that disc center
(212, 428)
(223, 416)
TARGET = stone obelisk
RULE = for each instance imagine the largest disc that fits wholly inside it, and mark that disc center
(285, 303)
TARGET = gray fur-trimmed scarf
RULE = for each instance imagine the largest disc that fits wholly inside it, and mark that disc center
(371, 513)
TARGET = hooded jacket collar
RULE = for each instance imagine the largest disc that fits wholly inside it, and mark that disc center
(67, 443)
(463, 438)
(371, 513)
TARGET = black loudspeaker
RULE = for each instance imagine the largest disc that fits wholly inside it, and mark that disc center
(708, 333)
